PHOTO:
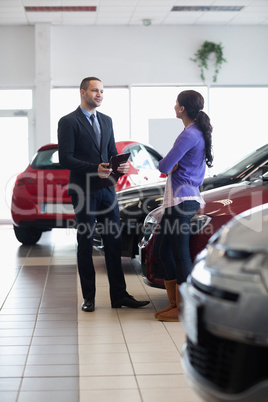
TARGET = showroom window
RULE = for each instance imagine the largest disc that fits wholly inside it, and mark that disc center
(131, 109)
(12, 99)
(239, 123)
(115, 104)
(15, 106)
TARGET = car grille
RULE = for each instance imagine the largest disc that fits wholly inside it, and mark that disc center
(231, 366)
(215, 292)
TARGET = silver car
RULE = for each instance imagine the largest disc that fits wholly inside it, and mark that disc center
(224, 310)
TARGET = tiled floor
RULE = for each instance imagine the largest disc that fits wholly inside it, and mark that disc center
(52, 351)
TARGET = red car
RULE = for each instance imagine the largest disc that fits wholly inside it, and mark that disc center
(222, 204)
(40, 201)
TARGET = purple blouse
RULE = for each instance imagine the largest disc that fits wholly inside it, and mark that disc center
(189, 152)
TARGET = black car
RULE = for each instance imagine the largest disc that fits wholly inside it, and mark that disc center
(249, 167)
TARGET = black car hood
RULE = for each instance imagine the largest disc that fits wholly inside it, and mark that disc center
(217, 181)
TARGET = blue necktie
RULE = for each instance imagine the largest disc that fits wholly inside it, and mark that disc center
(96, 129)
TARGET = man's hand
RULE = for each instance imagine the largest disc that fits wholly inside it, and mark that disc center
(104, 171)
(123, 168)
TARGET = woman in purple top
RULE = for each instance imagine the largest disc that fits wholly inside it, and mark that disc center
(185, 166)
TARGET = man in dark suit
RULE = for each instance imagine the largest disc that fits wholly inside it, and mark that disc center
(86, 143)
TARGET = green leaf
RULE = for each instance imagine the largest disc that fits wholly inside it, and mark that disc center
(202, 55)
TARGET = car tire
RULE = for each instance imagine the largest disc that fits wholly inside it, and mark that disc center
(27, 235)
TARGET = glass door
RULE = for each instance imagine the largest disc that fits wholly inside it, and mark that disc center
(15, 111)
(14, 158)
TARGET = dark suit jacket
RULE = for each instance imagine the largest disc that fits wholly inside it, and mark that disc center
(78, 150)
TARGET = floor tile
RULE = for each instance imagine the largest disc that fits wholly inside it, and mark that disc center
(8, 396)
(108, 382)
(110, 395)
(15, 341)
(51, 396)
(12, 315)
(97, 339)
(9, 384)
(56, 317)
(59, 370)
(55, 359)
(104, 358)
(53, 348)
(162, 381)
(47, 332)
(50, 384)
(155, 357)
(16, 332)
(56, 324)
(13, 360)
(14, 350)
(87, 370)
(159, 368)
(151, 346)
(11, 371)
(115, 348)
(174, 394)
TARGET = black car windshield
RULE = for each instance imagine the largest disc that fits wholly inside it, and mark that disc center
(247, 161)
(46, 159)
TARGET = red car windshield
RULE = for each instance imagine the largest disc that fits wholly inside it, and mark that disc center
(47, 159)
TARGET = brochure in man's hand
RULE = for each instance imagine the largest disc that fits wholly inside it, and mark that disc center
(115, 162)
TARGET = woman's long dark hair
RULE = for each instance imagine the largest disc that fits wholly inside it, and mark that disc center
(193, 103)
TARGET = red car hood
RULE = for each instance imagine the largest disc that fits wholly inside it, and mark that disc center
(234, 199)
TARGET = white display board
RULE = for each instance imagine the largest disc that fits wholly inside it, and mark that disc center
(163, 132)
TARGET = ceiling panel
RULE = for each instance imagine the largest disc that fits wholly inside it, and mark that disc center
(10, 3)
(182, 18)
(216, 18)
(133, 12)
(77, 18)
(53, 18)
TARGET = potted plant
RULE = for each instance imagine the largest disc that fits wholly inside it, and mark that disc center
(202, 58)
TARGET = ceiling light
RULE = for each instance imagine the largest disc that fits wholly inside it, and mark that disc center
(59, 9)
(207, 8)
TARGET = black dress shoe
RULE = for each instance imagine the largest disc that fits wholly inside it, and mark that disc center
(88, 305)
(130, 302)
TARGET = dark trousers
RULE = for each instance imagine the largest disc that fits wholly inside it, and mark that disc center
(171, 246)
(101, 206)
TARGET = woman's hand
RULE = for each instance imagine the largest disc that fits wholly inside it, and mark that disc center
(175, 167)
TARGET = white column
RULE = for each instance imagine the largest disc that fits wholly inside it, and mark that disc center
(43, 83)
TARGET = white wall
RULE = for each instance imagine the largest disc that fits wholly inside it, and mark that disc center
(17, 55)
(134, 55)
(160, 54)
